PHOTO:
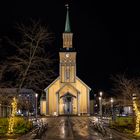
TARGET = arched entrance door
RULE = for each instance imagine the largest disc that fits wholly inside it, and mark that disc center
(68, 103)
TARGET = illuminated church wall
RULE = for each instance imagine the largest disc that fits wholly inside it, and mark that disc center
(68, 94)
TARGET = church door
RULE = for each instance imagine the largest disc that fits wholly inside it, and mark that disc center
(67, 105)
(67, 100)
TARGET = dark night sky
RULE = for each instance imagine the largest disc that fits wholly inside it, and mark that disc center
(106, 35)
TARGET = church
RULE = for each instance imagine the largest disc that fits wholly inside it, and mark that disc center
(67, 94)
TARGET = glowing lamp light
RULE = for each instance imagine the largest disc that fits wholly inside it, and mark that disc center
(101, 93)
(19, 111)
(111, 100)
(36, 95)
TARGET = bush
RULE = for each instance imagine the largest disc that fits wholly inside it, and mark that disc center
(3, 125)
(21, 125)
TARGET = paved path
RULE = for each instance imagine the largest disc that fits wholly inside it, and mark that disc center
(58, 128)
(73, 128)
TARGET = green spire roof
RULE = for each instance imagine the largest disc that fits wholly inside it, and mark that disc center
(67, 24)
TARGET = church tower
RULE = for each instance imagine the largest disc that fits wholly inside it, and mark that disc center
(67, 56)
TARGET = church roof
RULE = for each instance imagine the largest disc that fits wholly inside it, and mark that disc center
(83, 83)
(67, 23)
(66, 83)
(51, 83)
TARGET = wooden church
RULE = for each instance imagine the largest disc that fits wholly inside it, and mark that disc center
(68, 94)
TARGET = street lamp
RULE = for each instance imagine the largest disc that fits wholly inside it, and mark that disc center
(100, 104)
(36, 95)
(94, 104)
(0, 110)
(28, 106)
(112, 112)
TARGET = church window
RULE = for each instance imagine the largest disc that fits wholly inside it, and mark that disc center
(67, 72)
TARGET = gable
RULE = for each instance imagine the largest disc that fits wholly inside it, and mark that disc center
(55, 81)
(83, 83)
(68, 85)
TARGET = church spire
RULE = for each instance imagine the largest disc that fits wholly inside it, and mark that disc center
(67, 23)
(67, 35)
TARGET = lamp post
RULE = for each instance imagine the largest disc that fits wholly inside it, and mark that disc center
(112, 112)
(94, 104)
(28, 105)
(0, 111)
(36, 95)
(100, 105)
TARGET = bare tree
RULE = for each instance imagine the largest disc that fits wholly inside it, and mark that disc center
(5, 98)
(128, 88)
(31, 66)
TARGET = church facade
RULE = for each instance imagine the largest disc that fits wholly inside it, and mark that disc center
(68, 94)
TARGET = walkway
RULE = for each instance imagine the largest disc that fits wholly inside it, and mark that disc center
(73, 128)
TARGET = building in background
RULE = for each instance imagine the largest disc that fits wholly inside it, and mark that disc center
(5, 110)
(26, 101)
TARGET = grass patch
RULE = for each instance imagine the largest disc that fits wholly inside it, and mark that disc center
(123, 124)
